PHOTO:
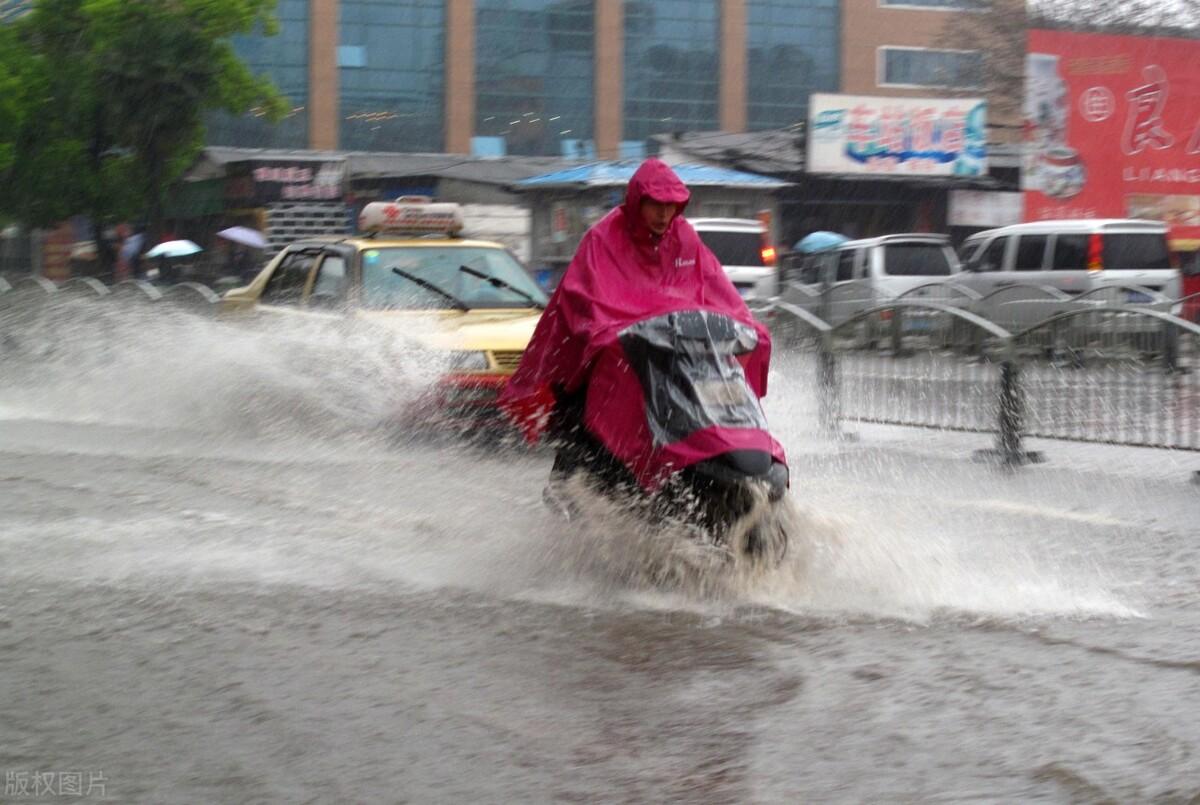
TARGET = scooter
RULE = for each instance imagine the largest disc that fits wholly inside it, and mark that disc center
(669, 423)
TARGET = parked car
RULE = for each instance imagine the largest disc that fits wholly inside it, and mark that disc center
(743, 247)
(1073, 256)
(407, 269)
(858, 274)
(840, 282)
(1078, 259)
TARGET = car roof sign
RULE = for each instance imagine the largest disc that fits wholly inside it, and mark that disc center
(411, 216)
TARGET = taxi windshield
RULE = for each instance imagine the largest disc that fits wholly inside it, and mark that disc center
(440, 266)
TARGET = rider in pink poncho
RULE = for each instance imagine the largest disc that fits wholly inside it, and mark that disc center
(641, 260)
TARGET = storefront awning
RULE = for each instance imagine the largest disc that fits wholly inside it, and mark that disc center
(609, 174)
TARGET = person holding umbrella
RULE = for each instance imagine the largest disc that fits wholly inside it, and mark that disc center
(165, 252)
(242, 261)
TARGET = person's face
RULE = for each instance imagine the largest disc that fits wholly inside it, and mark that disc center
(657, 215)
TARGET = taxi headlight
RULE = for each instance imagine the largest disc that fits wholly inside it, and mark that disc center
(468, 361)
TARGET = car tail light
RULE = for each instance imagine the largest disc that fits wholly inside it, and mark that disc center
(768, 255)
(1095, 258)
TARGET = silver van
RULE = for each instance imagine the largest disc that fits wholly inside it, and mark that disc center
(888, 265)
(743, 247)
(1072, 256)
(853, 276)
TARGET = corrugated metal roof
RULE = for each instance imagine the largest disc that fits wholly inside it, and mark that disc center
(773, 152)
(607, 174)
(781, 152)
(384, 164)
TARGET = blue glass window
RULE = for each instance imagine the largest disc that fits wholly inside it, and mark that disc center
(922, 67)
(533, 73)
(284, 59)
(671, 66)
(791, 51)
(391, 76)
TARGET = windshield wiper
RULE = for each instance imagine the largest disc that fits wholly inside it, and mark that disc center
(429, 286)
(496, 282)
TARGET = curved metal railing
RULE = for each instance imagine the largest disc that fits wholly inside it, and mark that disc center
(1105, 365)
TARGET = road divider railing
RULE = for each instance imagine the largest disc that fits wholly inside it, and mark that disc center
(1117, 364)
(1114, 365)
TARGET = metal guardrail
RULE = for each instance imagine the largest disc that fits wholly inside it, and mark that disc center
(1063, 367)
(190, 295)
(1078, 368)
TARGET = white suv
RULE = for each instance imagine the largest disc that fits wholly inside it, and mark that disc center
(886, 266)
(745, 251)
(1073, 256)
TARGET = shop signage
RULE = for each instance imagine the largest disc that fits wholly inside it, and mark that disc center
(984, 208)
(1112, 129)
(263, 182)
(906, 136)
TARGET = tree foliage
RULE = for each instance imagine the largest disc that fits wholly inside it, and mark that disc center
(112, 100)
(11, 109)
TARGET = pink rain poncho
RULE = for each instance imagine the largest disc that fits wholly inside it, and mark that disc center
(622, 274)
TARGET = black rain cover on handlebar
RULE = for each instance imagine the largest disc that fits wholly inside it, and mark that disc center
(688, 368)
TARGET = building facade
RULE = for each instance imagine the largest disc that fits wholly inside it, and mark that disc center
(575, 78)
(897, 48)
(932, 48)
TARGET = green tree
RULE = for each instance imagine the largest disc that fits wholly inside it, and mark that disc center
(161, 66)
(113, 95)
(65, 161)
(11, 108)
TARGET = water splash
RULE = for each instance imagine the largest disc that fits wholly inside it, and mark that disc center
(341, 506)
(117, 363)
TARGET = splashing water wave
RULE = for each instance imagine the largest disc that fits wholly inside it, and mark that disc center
(318, 383)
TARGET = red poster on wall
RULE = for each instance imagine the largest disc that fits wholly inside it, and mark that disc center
(1112, 129)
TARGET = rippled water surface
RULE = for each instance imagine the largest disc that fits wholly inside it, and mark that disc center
(223, 580)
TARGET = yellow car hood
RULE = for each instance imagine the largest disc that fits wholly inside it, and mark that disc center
(484, 329)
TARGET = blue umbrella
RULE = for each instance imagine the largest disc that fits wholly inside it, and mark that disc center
(819, 241)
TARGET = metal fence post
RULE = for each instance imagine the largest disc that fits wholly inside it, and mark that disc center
(829, 393)
(1170, 347)
(1008, 450)
(898, 350)
(1009, 434)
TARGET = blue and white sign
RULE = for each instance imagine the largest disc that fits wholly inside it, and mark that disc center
(914, 136)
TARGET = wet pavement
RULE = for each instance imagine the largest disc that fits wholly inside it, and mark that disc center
(219, 584)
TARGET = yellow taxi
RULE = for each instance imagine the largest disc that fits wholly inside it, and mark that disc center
(470, 301)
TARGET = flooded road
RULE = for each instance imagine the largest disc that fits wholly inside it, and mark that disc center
(222, 583)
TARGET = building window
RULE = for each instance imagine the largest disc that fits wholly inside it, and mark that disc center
(352, 56)
(948, 5)
(791, 52)
(534, 66)
(283, 58)
(391, 76)
(925, 67)
(671, 66)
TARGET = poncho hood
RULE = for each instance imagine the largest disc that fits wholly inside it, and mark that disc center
(655, 180)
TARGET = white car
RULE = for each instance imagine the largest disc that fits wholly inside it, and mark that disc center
(846, 279)
(1073, 256)
(743, 247)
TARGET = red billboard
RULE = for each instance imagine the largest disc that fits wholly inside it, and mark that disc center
(1112, 129)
